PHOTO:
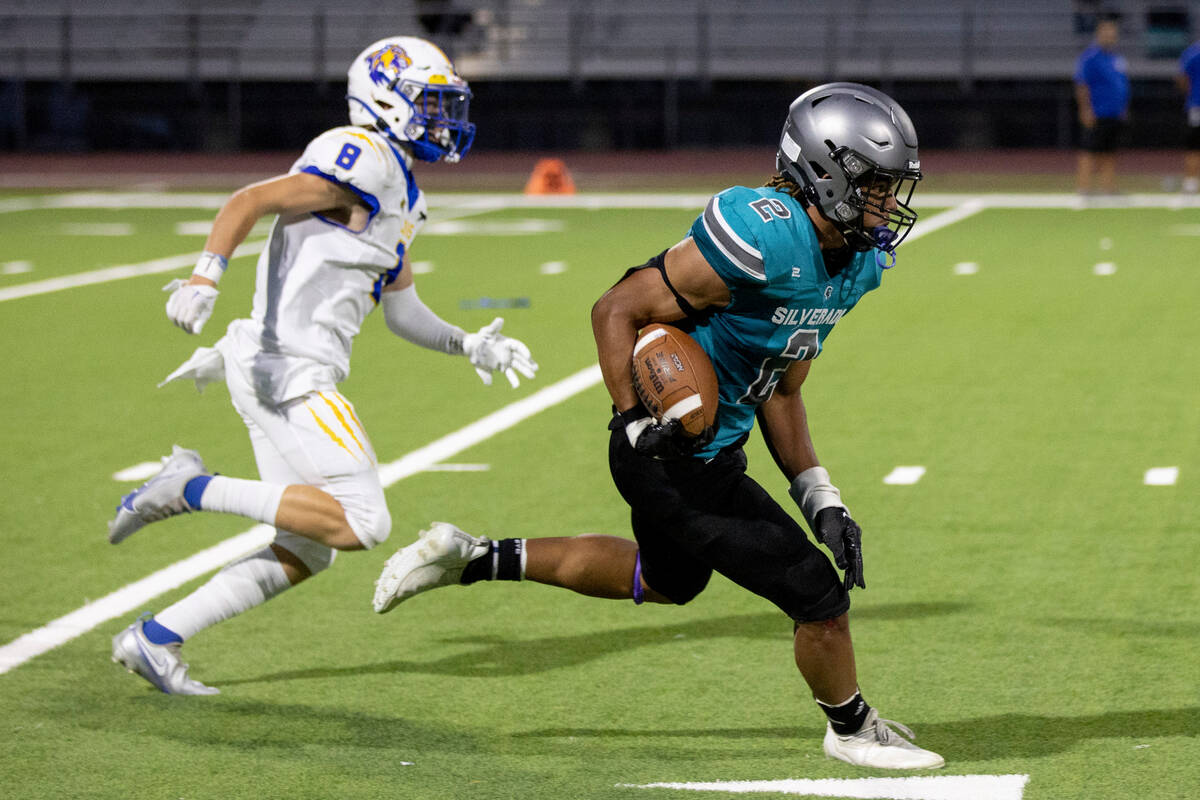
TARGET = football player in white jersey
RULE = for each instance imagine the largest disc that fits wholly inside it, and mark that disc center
(345, 216)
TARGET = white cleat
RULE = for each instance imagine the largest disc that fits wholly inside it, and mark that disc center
(161, 664)
(877, 745)
(436, 558)
(158, 498)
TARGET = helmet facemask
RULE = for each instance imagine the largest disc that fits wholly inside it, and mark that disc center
(879, 212)
(437, 126)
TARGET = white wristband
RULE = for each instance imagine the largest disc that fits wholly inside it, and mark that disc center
(813, 491)
(211, 266)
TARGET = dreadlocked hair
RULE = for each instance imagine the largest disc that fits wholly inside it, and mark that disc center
(786, 185)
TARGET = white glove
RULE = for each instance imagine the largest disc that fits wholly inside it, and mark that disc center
(489, 351)
(190, 304)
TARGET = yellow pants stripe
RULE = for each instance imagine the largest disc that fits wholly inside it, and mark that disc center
(329, 431)
(337, 412)
(350, 410)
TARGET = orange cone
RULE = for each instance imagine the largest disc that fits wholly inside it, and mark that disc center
(550, 176)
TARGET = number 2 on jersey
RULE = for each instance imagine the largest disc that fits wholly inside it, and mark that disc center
(770, 208)
(801, 345)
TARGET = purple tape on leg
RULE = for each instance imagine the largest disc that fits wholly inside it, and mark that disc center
(639, 596)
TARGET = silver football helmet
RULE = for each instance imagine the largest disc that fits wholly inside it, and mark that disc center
(853, 151)
(407, 89)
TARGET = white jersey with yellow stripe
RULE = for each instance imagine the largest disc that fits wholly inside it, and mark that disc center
(317, 278)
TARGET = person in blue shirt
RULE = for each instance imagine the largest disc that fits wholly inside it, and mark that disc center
(759, 281)
(1189, 81)
(1102, 96)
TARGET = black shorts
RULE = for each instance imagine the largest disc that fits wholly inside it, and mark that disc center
(691, 517)
(1103, 137)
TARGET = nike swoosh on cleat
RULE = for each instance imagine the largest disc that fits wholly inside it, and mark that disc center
(159, 666)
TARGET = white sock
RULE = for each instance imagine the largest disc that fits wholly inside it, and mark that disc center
(239, 586)
(257, 500)
(1191, 185)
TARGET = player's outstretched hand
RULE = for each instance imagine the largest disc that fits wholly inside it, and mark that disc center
(490, 351)
(190, 304)
(843, 537)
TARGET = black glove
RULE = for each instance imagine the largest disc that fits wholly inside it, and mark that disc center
(655, 440)
(843, 537)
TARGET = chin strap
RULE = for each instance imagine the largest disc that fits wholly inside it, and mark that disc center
(883, 238)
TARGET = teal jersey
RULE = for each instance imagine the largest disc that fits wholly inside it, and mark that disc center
(783, 303)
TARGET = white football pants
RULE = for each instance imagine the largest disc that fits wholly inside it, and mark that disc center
(316, 440)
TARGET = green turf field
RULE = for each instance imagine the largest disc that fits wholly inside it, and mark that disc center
(1033, 605)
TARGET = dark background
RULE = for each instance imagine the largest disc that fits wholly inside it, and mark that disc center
(176, 75)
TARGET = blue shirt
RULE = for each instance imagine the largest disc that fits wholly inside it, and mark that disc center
(1189, 64)
(783, 304)
(1104, 74)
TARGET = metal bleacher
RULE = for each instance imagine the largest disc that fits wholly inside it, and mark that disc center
(172, 40)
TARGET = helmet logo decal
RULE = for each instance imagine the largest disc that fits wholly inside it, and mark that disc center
(384, 65)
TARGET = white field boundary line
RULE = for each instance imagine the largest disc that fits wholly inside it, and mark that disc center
(134, 595)
(598, 200)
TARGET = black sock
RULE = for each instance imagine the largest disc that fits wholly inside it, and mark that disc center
(848, 717)
(502, 562)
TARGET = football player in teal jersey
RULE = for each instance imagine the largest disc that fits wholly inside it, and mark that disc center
(761, 279)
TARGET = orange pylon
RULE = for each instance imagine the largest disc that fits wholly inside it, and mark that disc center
(550, 176)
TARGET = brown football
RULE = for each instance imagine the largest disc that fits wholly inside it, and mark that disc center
(674, 378)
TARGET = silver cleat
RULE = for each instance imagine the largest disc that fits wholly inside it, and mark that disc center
(158, 498)
(161, 664)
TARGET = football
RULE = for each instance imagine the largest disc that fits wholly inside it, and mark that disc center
(674, 378)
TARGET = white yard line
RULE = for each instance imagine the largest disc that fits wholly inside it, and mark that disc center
(133, 596)
(128, 598)
(1161, 476)
(168, 264)
(938, 787)
(962, 210)
(904, 476)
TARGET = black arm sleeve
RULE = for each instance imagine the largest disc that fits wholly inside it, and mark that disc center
(659, 263)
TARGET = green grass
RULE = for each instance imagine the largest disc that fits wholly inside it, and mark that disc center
(1032, 607)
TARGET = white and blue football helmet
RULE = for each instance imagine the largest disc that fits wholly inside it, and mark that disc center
(406, 88)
